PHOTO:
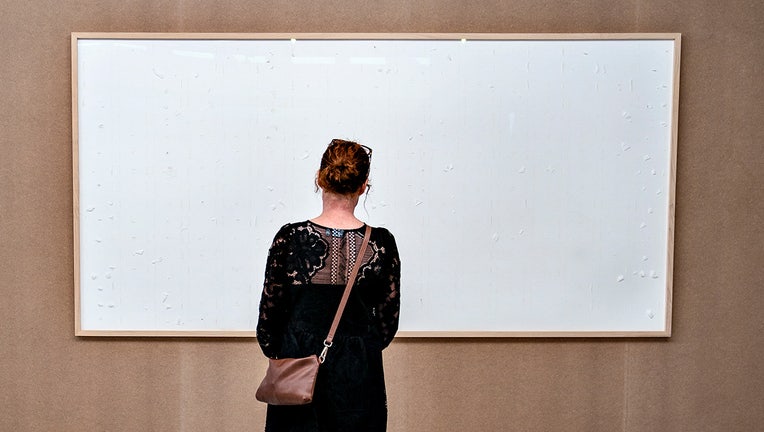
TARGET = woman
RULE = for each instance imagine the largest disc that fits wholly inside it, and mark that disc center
(305, 276)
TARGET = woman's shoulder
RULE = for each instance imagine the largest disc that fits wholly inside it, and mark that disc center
(291, 226)
(383, 234)
(289, 229)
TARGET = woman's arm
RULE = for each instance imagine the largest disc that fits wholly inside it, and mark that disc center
(274, 302)
(388, 309)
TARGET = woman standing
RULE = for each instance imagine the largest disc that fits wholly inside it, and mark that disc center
(307, 269)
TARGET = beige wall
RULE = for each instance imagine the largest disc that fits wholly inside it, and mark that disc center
(707, 377)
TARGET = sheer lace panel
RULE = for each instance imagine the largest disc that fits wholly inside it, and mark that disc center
(342, 254)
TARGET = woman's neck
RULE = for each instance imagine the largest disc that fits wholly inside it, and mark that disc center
(338, 211)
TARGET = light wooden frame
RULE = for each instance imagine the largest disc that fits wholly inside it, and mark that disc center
(676, 37)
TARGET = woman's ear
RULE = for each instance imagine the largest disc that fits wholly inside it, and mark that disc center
(364, 187)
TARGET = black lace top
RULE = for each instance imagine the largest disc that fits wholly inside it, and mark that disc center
(306, 272)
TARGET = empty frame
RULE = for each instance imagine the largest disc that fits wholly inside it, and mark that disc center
(528, 179)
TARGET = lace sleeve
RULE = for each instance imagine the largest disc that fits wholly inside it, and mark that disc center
(274, 307)
(388, 310)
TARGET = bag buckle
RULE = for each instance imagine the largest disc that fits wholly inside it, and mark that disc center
(322, 357)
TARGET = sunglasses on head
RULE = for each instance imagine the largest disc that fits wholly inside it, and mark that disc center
(365, 148)
(368, 150)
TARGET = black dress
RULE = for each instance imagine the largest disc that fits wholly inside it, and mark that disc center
(305, 277)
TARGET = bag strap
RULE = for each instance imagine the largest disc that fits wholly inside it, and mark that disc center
(345, 295)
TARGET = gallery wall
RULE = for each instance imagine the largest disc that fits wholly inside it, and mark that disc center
(705, 377)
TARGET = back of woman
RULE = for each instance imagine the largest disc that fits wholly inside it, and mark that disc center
(308, 266)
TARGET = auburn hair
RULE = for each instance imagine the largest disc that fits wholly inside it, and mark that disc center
(344, 167)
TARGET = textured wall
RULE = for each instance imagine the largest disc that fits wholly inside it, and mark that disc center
(706, 377)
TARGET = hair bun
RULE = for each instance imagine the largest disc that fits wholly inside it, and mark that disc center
(344, 168)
